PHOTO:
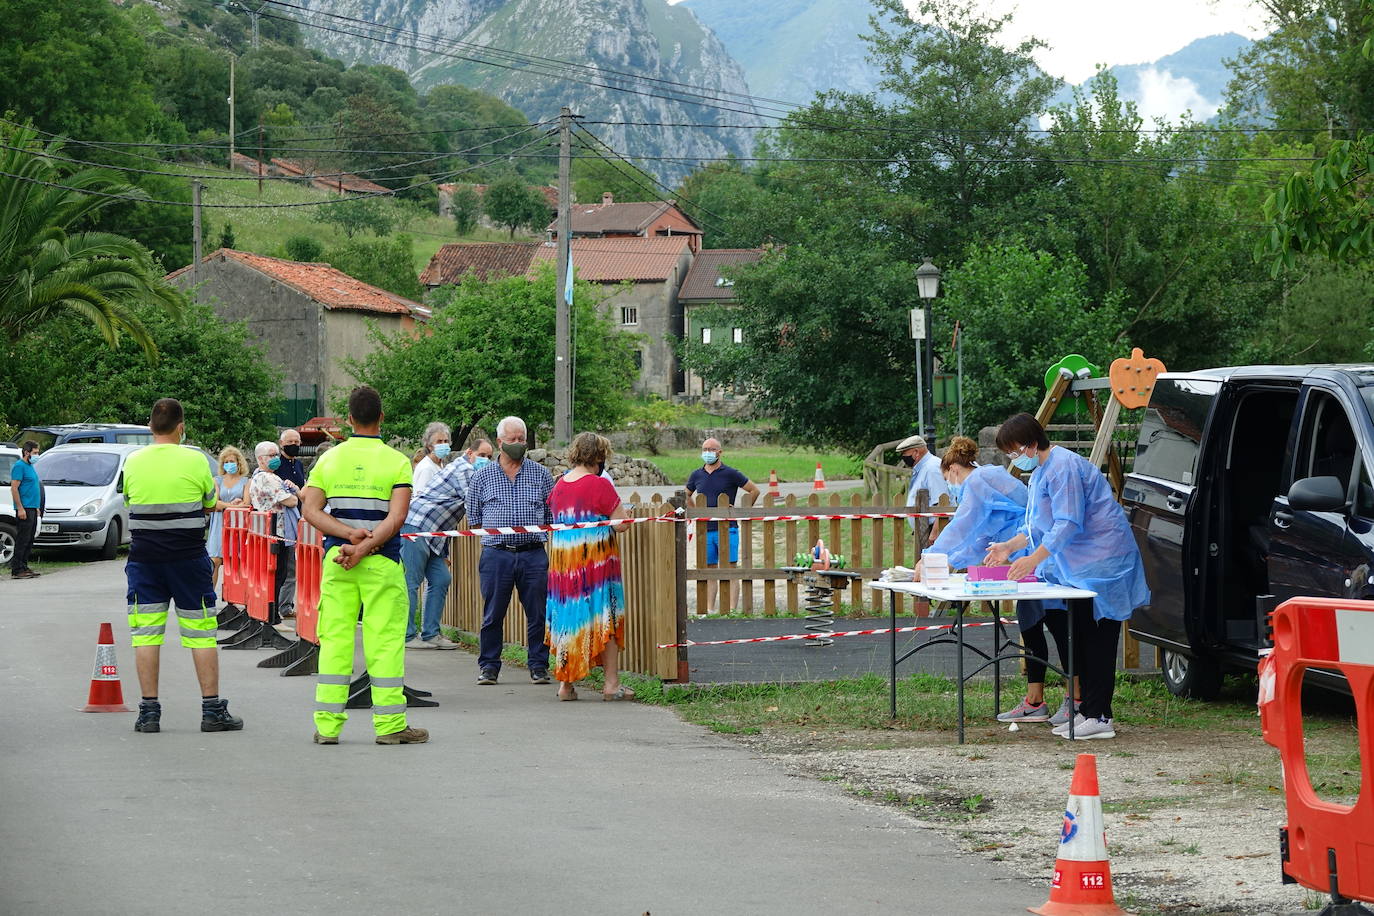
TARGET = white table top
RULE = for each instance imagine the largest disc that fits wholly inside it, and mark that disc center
(953, 589)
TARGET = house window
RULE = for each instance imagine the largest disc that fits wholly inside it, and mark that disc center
(737, 335)
(629, 314)
(639, 360)
(705, 335)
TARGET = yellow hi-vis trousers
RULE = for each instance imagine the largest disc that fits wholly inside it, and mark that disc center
(378, 585)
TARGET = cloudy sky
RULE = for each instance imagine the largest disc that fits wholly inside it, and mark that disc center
(1085, 33)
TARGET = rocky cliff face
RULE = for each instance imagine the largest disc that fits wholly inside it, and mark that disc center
(645, 37)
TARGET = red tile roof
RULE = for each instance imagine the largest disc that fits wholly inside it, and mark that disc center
(486, 260)
(325, 178)
(642, 260)
(247, 164)
(701, 282)
(590, 219)
(333, 289)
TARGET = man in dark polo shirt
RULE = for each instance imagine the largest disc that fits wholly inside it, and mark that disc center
(715, 479)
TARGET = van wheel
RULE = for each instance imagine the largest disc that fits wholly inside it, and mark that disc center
(1196, 678)
(110, 548)
(9, 540)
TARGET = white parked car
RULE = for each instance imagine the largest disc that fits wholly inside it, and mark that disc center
(84, 487)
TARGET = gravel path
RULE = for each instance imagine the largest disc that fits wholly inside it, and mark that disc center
(1191, 818)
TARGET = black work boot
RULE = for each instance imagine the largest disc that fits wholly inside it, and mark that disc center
(215, 717)
(149, 716)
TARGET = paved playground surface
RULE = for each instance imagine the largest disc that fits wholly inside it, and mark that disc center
(518, 804)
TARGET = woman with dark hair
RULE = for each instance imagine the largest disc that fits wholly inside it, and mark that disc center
(1078, 537)
(586, 601)
(992, 506)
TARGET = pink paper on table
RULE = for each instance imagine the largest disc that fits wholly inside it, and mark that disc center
(993, 573)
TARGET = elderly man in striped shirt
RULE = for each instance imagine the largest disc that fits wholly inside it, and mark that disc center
(513, 490)
(436, 507)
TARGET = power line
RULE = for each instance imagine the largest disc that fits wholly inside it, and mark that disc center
(842, 128)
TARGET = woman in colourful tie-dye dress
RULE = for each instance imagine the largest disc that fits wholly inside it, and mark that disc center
(586, 603)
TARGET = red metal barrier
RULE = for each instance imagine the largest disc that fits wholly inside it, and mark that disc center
(1325, 846)
(234, 549)
(262, 566)
(309, 568)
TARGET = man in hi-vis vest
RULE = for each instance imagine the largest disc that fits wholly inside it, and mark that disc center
(366, 485)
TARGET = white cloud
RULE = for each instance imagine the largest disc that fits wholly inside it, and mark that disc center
(1160, 94)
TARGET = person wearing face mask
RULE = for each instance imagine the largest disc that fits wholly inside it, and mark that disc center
(992, 505)
(479, 454)
(437, 443)
(1078, 537)
(512, 491)
(715, 479)
(267, 492)
(439, 507)
(230, 487)
(925, 475)
(291, 467)
(27, 492)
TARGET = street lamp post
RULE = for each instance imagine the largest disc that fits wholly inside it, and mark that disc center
(927, 287)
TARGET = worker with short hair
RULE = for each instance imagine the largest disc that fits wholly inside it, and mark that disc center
(169, 490)
(366, 486)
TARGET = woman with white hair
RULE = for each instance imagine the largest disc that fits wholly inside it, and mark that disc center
(269, 493)
(437, 443)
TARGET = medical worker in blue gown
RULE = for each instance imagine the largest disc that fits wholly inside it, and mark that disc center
(1079, 537)
(992, 505)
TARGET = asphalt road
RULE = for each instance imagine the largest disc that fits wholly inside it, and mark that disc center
(518, 804)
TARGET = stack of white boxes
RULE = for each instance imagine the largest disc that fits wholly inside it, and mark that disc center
(935, 567)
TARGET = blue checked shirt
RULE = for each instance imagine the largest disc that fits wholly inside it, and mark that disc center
(439, 506)
(496, 501)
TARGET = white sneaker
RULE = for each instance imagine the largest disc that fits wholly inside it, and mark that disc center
(1062, 730)
(1093, 728)
(418, 643)
(443, 642)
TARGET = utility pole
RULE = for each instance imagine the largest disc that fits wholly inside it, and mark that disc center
(195, 231)
(562, 369)
(262, 163)
(231, 109)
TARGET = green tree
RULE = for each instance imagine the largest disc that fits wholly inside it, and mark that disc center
(489, 352)
(304, 248)
(49, 268)
(226, 236)
(593, 176)
(63, 373)
(467, 209)
(513, 204)
(388, 263)
(366, 214)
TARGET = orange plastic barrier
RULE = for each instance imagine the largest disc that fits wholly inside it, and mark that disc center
(1325, 846)
(309, 568)
(262, 566)
(235, 552)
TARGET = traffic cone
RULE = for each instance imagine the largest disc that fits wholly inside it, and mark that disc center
(1082, 883)
(820, 478)
(107, 693)
(773, 484)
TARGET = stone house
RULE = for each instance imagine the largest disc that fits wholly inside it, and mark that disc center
(704, 287)
(308, 318)
(648, 219)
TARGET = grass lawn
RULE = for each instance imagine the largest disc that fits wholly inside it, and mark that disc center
(792, 464)
(266, 231)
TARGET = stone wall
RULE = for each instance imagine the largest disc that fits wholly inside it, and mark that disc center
(627, 472)
(677, 437)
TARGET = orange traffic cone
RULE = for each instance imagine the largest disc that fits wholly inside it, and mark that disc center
(820, 478)
(107, 693)
(1082, 877)
(773, 484)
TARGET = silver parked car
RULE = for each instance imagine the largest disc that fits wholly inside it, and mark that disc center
(84, 487)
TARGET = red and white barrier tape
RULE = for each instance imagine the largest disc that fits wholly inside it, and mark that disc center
(795, 636)
(676, 516)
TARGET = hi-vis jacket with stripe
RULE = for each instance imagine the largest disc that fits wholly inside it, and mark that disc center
(357, 477)
(168, 488)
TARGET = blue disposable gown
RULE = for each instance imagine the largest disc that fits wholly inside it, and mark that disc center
(1074, 516)
(925, 475)
(993, 508)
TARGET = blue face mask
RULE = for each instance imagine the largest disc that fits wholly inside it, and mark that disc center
(709, 457)
(1026, 462)
(956, 491)
(441, 450)
(480, 460)
(231, 467)
(274, 462)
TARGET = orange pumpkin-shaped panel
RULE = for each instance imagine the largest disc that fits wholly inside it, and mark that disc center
(1133, 378)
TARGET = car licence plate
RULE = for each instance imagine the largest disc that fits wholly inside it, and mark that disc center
(48, 529)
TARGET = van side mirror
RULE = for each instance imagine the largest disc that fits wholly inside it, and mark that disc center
(1317, 494)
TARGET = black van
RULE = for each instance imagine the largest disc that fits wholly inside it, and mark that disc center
(1250, 486)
